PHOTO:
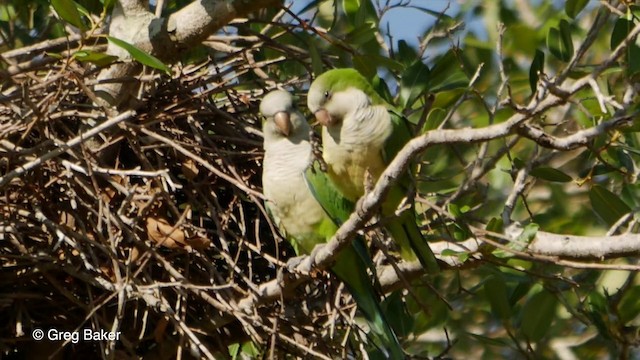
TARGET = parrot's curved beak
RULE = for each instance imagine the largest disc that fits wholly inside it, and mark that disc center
(282, 121)
(323, 117)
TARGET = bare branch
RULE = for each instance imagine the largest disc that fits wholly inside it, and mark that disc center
(4, 180)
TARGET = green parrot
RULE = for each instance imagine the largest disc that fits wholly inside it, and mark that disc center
(361, 134)
(291, 184)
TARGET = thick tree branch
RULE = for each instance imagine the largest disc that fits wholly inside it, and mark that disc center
(585, 247)
(195, 22)
(163, 38)
(577, 139)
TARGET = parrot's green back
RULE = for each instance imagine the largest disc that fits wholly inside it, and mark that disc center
(353, 261)
(362, 134)
(404, 229)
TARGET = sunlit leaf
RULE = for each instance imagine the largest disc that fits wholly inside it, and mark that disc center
(99, 59)
(7, 12)
(528, 233)
(68, 11)
(141, 56)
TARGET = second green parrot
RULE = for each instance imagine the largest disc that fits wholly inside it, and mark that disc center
(361, 134)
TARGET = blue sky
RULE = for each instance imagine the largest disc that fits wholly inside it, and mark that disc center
(404, 22)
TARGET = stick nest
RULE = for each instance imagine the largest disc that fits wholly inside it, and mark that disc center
(154, 228)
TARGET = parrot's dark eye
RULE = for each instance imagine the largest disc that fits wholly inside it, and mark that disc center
(327, 95)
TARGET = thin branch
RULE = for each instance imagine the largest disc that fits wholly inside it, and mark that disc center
(62, 148)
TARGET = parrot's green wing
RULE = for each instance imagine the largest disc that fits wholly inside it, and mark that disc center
(352, 263)
(400, 135)
(336, 206)
(404, 229)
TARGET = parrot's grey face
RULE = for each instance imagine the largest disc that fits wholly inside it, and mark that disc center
(277, 107)
(330, 107)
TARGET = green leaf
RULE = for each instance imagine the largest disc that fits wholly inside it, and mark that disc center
(437, 14)
(495, 290)
(607, 204)
(382, 89)
(573, 7)
(361, 35)
(141, 56)
(463, 257)
(359, 12)
(597, 311)
(434, 119)
(234, 350)
(447, 74)
(7, 12)
(107, 4)
(503, 343)
(619, 158)
(518, 163)
(528, 233)
(620, 31)
(550, 174)
(449, 252)
(559, 41)
(537, 67)
(413, 83)
(519, 291)
(538, 314)
(396, 312)
(454, 210)
(316, 60)
(68, 11)
(368, 64)
(405, 53)
(495, 225)
(250, 349)
(629, 306)
(99, 59)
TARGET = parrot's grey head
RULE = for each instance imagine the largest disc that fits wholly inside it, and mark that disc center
(336, 93)
(282, 119)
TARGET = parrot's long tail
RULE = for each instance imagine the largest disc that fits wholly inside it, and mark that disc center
(352, 270)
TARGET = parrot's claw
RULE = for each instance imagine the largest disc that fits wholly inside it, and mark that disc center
(304, 264)
(294, 262)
